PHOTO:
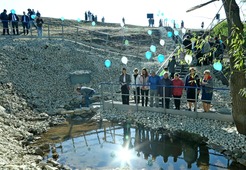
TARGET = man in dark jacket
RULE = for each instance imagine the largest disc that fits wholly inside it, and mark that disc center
(165, 83)
(25, 23)
(86, 93)
(187, 43)
(125, 80)
(14, 19)
(5, 19)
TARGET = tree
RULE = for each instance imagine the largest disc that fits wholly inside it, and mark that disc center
(237, 55)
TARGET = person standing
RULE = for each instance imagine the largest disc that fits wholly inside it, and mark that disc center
(86, 17)
(207, 90)
(192, 83)
(25, 23)
(154, 82)
(144, 87)
(39, 22)
(4, 18)
(165, 83)
(86, 93)
(182, 24)
(171, 67)
(31, 16)
(178, 86)
(125, 80)
(14, 19)
(136, 85)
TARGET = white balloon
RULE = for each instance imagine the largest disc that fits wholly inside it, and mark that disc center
(188, 59)
(162, 42)
(183, 30)
(124, 60)
(122, 24)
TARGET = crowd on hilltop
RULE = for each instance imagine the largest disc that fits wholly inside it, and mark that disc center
(29, 20)
(153, 88)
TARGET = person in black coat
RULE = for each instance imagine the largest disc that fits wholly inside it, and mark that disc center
(14, 19)
(125, 80)
(25, 23)
(4, 17)
(187, 43)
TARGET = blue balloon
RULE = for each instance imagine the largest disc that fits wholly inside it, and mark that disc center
(33, 16)
(93, 23)
(217, 66)
(161, 58)
(166, 19)
(177, 25)
(176, 32)
(78, 19)
(62, 18)
(169, 34)
(148, 55)
(162, 14)
(149, 32)
(107, 63)
(12, 11)
(153, 48)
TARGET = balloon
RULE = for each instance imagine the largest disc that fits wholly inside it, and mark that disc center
(12, 11)
(153, 48)
(33, 16)
(148, 55)
(188, 59)
(162, 14)
(217, 66)
(126, 42)
(177, 25)
(124, 60)
(93, 23)
(173, 21)
(166, 19)
(107, 63)
(183, 30)
(176, 32)
(161, 58)
(122, 24)
(78, 19)
(169, 34)
(162, 42)
(149, 32)
(62, 18)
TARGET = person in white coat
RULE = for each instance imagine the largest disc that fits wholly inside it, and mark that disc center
(135, 78)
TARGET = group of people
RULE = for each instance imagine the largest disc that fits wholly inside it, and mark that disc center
(152, 89)
(28, 20)
(211, 48)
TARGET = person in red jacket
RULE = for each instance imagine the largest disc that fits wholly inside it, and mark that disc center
(178, 86)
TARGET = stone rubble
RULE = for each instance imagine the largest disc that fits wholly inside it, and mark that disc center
(34, 87)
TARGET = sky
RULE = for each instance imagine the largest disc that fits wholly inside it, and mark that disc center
(134, 11)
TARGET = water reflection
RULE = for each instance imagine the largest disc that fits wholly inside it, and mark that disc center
(136, 147)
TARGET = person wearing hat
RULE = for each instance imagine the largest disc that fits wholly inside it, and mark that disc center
(154, 82)
(135, 79)
(125, 80)
(207, 90)
(192, 82)
(165, 83)
(86, 93)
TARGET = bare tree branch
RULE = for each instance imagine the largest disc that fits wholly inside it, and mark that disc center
(201, 5)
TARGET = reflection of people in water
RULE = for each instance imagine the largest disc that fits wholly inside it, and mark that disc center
(137, 140)
(165, 147)
(145, 144)
(176, 148)
(155, 144)
(127, 135)
(190, 153)
(203, 159)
